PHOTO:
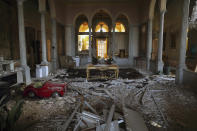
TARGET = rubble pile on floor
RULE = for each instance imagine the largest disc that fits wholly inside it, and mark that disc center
(113, 105)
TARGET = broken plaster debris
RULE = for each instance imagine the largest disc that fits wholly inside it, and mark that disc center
(51, 113)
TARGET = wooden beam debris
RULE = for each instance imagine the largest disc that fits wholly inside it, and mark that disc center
(90, 107)
(114, 126)
(134, 120)
(141, 98)
(66, 124)
(77, 125)
(166, 123)
(109, 119)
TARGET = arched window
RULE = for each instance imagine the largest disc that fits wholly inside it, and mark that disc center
(83, 39)
(84, 27)
(102, 27)
(119, 27)
(122, 37)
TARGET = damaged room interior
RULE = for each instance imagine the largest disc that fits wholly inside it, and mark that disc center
(98, 65)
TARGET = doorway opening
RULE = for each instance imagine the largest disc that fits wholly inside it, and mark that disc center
(101, 45)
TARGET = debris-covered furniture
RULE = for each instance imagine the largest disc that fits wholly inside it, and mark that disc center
(101, 68)
(67, 62)
(7, 65)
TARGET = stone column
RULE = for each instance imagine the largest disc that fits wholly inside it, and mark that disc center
(149, 44)
(133, 42)
(22, 43)
(90, 44)
(54, 45)
(113, 39)
(160, 46)
(68, 38)
(43, 35)
(182, 48)
(130, 44)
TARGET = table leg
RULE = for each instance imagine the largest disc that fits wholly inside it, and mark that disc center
(117, 73)
(87, 73)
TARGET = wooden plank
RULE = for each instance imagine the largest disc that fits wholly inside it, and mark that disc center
(159, 109)
(109, 119)
(90, 107)
(134, 120)
(66, 124)
(114, 126)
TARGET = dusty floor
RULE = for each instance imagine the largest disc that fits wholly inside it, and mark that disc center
(163, 105)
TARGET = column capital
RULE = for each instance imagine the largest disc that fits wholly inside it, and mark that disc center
(42, 6)
(163, 5)
(162, 11)
(42, 12)
(20, 2)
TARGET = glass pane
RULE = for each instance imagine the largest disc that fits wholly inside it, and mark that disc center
(84, 27)
(102, 27)
(119, 27)
(83, 42)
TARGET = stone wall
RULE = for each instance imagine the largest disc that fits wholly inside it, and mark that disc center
(130, 9)
(9, 43)
(121, 42)
(189, 79)
(8, 31)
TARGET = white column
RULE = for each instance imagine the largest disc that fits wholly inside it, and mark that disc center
(54, 45)
(68, 37)
(182, 48)
(113, 39)
(149, 44)
(22, 43)
(160, 46)
(90, 44)
(43, 35)
(133, 42)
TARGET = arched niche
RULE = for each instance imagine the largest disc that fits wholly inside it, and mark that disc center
(121, 42)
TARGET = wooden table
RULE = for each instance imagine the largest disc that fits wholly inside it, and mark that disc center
(102, 67)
